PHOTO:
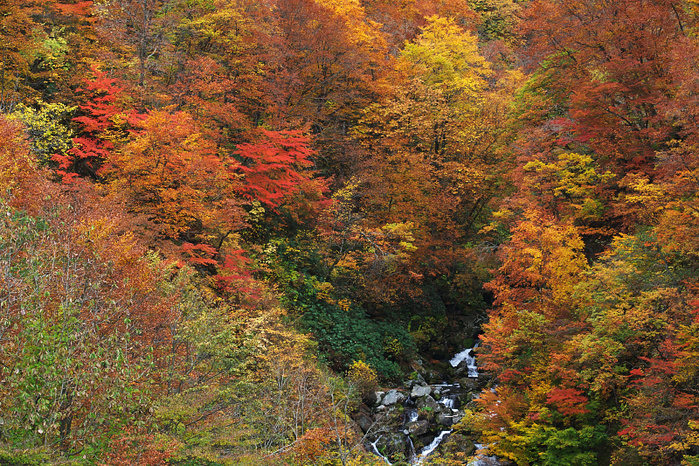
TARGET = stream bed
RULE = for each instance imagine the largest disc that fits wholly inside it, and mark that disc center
(414, 423)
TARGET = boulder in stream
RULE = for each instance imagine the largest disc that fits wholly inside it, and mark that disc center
(419, 391)
(378, 396)
(410, 424)
(418, 428)
(456, 447)
(427, 402)
(393, 397)
(447, 419)
(470, 384)
(394, 446)
(363, 417)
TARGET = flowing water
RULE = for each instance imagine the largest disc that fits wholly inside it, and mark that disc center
(376, 450)
(449, 396)
(411, 415)
(413, 454)
(469, 356)
(431, 447)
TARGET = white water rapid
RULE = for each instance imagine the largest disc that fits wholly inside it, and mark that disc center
(414, 459)
(470, 358)
(377, 452)
(431, 447)
(448, 395)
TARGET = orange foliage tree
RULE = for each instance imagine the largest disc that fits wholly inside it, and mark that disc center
(171, 174)
(83, 324)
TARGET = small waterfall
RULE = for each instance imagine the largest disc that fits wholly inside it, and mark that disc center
(449, 402)
(468, 356)
(444, 400)
(376, 450)
(413, 454)
(432, 446)
(413, 458)
(411, 415)
(449, 394)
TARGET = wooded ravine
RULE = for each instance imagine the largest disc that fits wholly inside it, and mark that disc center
(349, 232)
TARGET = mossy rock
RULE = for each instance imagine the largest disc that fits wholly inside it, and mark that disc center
(457, 444)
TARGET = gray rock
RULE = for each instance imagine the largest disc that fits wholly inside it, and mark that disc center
(419, 391)
(469, 384)
(379, 396)
(394, 446)
(394, 417)
(365, 423)
(427, 402)
(416, 379)
(418, 428)
(393, 397)
(370, 399)
(457, 443)
(427, 408)
(462, 369)
(445, 419)
(423, 440)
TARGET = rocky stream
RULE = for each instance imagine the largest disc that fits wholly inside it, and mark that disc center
(412, 424)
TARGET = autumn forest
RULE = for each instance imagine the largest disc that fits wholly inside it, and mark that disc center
(229, 227)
